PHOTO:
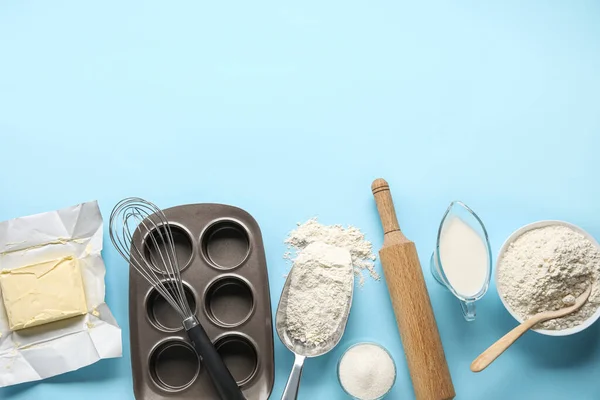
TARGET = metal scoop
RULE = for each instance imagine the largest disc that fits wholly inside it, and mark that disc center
(300, 349)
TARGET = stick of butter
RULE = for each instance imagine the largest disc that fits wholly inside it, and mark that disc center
(42, 293)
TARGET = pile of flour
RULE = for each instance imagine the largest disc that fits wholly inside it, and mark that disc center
(319, 293)
(350, 238)
(546, 269)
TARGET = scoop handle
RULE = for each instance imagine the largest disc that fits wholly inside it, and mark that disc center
(222, 379)
(293, 384)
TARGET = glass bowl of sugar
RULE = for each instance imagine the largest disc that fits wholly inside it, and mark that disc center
(366, 371)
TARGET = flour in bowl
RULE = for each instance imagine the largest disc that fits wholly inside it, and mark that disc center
(546, 269)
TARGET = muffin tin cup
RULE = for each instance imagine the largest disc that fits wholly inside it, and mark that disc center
(173, 365)
(225, 244)
(225, 278)
(240, 356)
(161, 314)
(182, 241)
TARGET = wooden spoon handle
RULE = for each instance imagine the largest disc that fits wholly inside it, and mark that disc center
(494, 351)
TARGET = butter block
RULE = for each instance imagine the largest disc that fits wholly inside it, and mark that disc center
(42, 293)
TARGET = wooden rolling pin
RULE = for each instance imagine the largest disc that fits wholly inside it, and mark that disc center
(418, 330)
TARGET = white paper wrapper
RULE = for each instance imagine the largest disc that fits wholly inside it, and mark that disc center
(55, 348)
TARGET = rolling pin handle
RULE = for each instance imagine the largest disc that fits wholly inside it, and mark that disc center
(385, 205)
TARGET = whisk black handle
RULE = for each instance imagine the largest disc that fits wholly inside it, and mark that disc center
(224, 383)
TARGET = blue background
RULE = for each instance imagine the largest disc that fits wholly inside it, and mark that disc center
(290, 111)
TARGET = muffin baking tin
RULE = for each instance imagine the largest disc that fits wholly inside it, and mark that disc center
(224, 272)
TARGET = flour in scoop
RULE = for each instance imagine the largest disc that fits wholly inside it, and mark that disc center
(464, 257)
(547, 269)
(320, 293)
(350, 238)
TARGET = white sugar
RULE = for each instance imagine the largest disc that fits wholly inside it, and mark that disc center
(367, 371)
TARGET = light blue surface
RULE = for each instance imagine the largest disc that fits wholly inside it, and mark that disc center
(290, 111)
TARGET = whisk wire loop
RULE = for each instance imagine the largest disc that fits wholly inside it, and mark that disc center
(156, 258)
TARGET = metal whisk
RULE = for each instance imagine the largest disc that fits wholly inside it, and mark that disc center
(157, 263)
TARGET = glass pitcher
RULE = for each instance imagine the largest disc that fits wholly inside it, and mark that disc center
(463, 222)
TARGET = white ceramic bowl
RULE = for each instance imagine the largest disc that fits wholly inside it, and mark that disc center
(512, 238)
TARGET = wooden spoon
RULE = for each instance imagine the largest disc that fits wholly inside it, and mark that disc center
(494, 351)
